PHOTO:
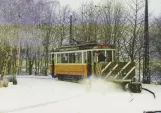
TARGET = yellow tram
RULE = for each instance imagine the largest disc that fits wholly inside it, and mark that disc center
(83, 60)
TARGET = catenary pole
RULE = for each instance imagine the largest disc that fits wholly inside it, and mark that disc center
(146, 71)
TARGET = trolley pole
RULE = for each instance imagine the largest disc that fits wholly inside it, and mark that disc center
(70, 39)
(146, 71)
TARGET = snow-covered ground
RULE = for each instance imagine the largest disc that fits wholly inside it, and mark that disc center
(47, 95)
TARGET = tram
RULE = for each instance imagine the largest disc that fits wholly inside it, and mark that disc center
(84, 60)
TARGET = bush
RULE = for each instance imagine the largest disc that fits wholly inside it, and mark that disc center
(1, 83)
(5, 83)
(14, 81)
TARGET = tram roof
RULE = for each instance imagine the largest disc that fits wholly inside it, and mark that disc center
(92, 46)
(75, 51)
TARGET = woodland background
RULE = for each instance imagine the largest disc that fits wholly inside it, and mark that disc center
(31, 29)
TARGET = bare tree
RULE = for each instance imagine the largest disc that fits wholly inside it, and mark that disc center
(133, 41)
(47, 25)
(155, 47)
(88, 22)
(113, 25)
(63, 22)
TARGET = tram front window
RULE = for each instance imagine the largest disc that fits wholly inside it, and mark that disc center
(109, 56)
(101, 57)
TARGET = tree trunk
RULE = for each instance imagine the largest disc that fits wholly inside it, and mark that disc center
(47, 51)
(38, 65)
(10, 66)
(4, 64)
(20, 60)
(26, 59)
(30, 66)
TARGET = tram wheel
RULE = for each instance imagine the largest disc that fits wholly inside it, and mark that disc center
(135, 87)
(59, 78)
(139, 88)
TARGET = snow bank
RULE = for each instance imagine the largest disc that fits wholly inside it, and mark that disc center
(93, 95)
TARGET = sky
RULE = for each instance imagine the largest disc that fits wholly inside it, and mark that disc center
(154, 5)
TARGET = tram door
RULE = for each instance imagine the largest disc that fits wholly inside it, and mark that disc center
(53, 65)
(89, 63)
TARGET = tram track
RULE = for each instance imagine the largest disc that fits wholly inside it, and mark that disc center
(40, 104)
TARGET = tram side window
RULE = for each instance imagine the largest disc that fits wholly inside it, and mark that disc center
(71, 57)
(64, 58)
(85, 57)
(78, 57)
(58, 58)
(55, 57)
